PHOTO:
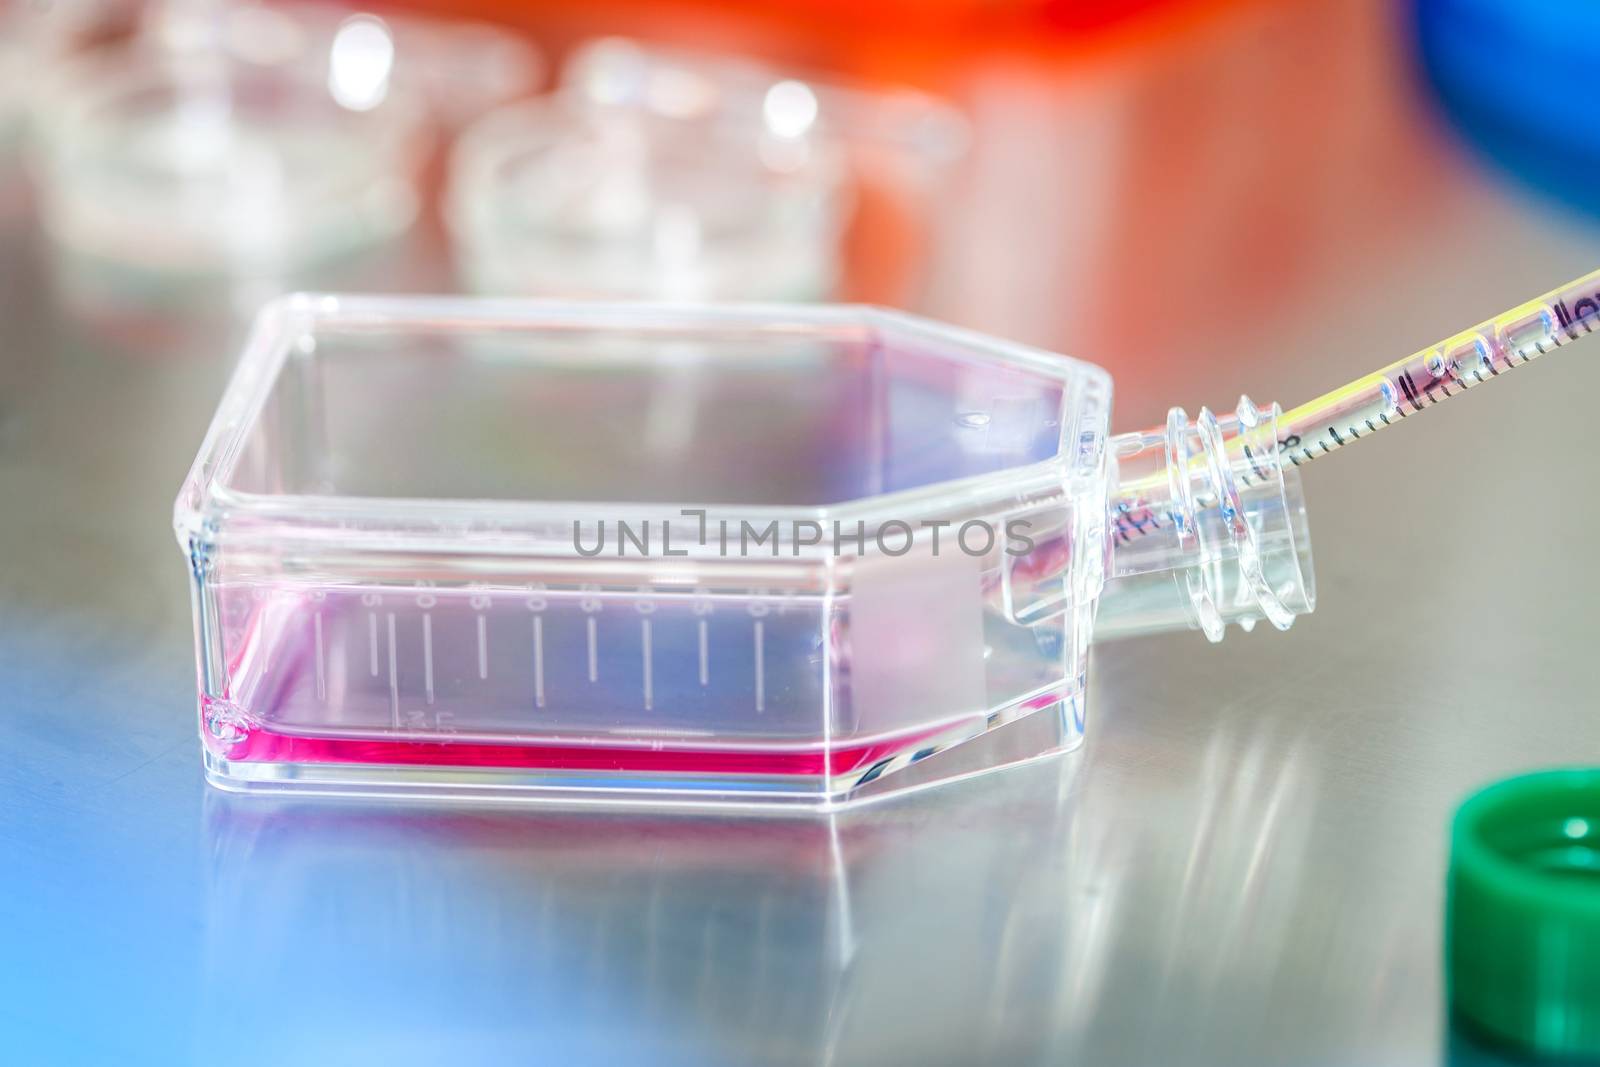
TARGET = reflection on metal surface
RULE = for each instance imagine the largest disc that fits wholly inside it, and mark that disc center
(19, 289)
(830, 939)
(611, 935)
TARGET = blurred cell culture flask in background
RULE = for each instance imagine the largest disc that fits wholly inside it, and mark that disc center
(458, 69)
(668, 174)
(220, 153)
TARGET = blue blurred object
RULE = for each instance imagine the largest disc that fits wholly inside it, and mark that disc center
(1520, 78)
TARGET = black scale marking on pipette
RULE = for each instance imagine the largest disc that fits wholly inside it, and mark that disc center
(1251, 456)
(1409, 388)
(1407, 385)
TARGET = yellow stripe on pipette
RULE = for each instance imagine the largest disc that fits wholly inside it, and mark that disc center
(1408, 386)
(1439, 372)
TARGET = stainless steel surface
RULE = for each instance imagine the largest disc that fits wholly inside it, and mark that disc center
(1243, 864)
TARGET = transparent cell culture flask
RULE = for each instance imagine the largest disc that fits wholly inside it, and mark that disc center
(752, 555)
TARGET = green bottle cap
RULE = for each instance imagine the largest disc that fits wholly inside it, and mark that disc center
(1522, 913)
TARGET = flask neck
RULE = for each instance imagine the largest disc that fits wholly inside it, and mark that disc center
(1206, 527)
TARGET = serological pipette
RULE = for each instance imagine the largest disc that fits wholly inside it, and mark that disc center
(1207, 500)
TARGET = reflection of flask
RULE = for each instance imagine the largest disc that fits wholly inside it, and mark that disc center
(582, 938)
(1174, 915)
(683, 939)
